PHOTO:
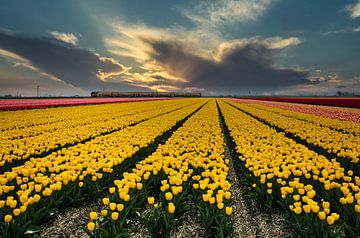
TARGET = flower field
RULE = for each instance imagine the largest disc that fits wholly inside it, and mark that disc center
(155, 166)
(330, 101)
(344, 113)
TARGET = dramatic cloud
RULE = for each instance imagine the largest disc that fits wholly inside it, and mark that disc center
(354, 10)
(357, 29)
(78, 67)
(185, 61)
(247, 66)
(65, 37)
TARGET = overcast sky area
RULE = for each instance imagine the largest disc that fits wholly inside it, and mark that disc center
(223, 47)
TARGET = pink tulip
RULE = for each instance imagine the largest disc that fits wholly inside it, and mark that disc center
(340, 113)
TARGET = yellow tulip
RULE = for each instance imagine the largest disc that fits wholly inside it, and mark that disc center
(115, 216)
(151, 200)
(120, 207)
(307, 208)
(8, 218)
(297, 210)
(93, 216)
(112, 206)
(16, 212)
(104, 212)
(168, 196)
(330, 220)
(322, 215)
(112, 190)
(227, 195)
(228, 211)
(91, 226)
(127, 197)
(139, 186)
(106, 201)
(171, 208)
(357, 208)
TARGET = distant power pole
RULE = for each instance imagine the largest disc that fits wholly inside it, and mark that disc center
(37, 91)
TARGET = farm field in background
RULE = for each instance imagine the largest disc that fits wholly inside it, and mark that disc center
(341, 113)
(328, 101)
(199, 167)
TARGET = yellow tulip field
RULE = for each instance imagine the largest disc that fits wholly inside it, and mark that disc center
(156, 162)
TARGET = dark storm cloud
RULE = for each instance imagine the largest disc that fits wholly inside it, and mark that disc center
(74, 66)
(249, 66)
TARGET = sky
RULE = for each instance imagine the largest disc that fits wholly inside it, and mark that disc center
(216, 47)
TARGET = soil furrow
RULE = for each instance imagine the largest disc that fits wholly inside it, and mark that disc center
(249, 220)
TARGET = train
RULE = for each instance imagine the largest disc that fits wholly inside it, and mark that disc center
(144, 94)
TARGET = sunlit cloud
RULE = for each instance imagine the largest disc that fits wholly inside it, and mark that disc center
(105, 75)
(132, 40)
(153, 80)
(163, 88)
(354, 10)
(271, 43)
(157, 88)
(69, 38)
(11, 56)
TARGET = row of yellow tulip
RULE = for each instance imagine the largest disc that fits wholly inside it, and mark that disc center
(82, 170)
(334, 142)
(22, 119)
(29, 123)
(283, 171)
(69, 132)
(191, 162)
(338, 125)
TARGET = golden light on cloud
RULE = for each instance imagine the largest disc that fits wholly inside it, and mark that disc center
(131, 41)
(163, 88)
(69, 38)
(148, 46)
(11, 55)
(271, 43)
(152, 79)
(104, 75)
